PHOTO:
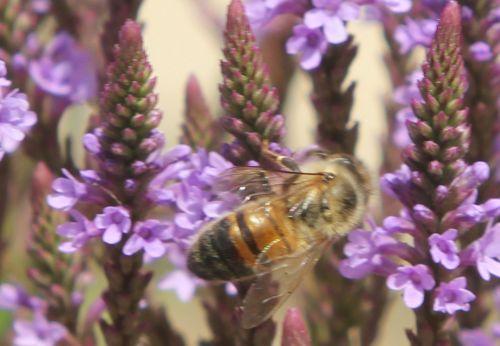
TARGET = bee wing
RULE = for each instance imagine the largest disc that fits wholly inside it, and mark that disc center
(255, 182)
(276, 281)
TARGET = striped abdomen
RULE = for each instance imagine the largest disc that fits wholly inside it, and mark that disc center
(230, 247)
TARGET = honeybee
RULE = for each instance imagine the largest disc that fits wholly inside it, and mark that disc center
(281, 229)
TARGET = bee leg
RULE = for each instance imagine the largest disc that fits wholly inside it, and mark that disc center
(278, 161)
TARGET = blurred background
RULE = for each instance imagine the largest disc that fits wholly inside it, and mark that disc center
(182, 38)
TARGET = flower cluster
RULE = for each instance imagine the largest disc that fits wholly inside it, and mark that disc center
(37, 330)
(404, 96)
(186, 188)
(438, 191)
(323, 22)
(63, 69)
(433, 162)
(419, 28)
(249, 99)
(478, 336)
(110, 202)
(128, 124)
(15, 117)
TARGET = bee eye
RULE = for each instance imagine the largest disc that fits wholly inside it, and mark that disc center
(345, 161)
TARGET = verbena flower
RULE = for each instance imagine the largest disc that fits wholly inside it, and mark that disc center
(484, 253)
(414, 281)
(181, 282)
(14, 297)
(444, 250)
(404, 96)
(477, 337)
(77, 232)
(186, 188)
(485, 336)
(35, 331)
(261, 12)
(309, 43)
(330, 15)
(249, 100)
(481, 51)
(114, 222)
(414, 33)
(65, 70)
(322, 22)
(111, 202)
(41, 6)
(438, 191)
(453, 296)
(38, 332)
(66, 192)
(149, 236)
(16, 119)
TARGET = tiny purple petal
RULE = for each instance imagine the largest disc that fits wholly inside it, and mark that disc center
(453, 296)
(481, 51)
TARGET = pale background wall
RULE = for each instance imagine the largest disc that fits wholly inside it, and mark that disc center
(180, 42)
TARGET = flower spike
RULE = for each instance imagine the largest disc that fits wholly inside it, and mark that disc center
(247, 96)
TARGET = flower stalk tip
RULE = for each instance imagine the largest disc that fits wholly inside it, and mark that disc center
(249, 100)
(200, 129)
(295, 332)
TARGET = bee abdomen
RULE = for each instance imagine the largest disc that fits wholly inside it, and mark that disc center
(215, 256)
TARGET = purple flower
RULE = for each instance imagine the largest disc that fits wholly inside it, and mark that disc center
(406, 94)
(310, 43)
(491, 208)
(15, 117)
(365, 254)
(400, 135)
(14, 297)
(472, 177)
(66, 192)
(398, 184)
(464, 216)
(65, 70)
(453, 296)
(413, 280)
(331, 16)
(91, 143)
(261, 12)
(183, 283)
(41, 6)
(485, 253)
(114, 222)
(481, 51)
(79, 232)
(415, 33)
(398, 6)
(39, 332)
(186, 184)
(435, 5)
(148, 236)
(475, 337)
(395, 224)
(444, 250)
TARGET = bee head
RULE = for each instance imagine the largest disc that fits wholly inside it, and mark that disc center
(343, 163)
